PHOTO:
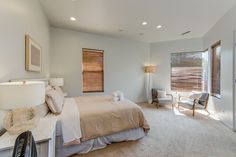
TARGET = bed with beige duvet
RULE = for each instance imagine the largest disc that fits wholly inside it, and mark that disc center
(92, 122)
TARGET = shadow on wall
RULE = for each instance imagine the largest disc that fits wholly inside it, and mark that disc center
(213, 108)
(161, 83)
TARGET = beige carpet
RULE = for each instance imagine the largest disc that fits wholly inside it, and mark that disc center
(175, 135)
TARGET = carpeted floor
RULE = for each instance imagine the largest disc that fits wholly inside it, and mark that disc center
(174, 134)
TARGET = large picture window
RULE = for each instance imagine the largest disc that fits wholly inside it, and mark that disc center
(93, 71)
(189, 71)
(215, 69)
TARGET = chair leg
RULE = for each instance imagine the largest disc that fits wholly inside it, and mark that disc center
(207, 111)
(193, 111)
(172, 105)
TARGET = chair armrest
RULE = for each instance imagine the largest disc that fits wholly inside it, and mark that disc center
(172, 98)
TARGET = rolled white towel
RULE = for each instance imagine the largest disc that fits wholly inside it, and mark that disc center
(121, 95)
(118, 96)
(115, 99)
(115, 96)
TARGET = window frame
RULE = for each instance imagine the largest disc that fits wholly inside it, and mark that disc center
(214, 47)
(102, 72)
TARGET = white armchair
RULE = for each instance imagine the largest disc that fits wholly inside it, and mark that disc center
(194, 101)
(161, 97)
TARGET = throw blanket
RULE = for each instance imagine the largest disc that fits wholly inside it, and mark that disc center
(99, 116)
(70, 122)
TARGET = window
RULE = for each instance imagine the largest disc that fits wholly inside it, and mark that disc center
(215, 69)
(93, 71)
(189, 71)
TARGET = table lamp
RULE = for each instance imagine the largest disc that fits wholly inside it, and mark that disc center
(19, 98)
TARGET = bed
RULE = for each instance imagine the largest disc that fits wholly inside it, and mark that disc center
(92, 122)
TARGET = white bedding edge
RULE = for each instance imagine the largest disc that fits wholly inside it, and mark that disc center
(98, 143)
(70, 125)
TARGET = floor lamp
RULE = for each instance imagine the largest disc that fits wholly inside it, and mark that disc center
(149, 70)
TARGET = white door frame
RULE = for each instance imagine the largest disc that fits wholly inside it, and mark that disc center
(234, 80)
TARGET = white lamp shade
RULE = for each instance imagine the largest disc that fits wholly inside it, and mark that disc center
(21, 94)
(56, 81)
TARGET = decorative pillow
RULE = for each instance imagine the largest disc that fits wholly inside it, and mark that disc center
(42, 110)
(20, 115)
(161, 94)
(59, 90)
(20, 120)
(55, 100)
(48, 88)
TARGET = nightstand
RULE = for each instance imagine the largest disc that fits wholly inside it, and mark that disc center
(44, 136)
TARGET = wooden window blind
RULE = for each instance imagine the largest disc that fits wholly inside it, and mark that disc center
(93, 79)
(215, 69)
(188, 71)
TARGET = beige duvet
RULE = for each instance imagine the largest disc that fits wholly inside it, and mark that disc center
(100, 116)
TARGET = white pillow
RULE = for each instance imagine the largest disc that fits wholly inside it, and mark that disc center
(161, 94)
(55, 100)
(42, 110)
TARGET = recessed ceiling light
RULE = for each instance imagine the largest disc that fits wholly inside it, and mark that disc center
(144, 23)
(72, 18)
(159, 26)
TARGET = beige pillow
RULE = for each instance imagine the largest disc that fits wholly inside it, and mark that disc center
(20, 115)
(48, 88)
(161, 94)
(42, 110)
(55, 100)
(20, 120)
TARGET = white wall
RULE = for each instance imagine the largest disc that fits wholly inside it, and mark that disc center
(160, 56)
(223, 30)
(123, 62)
(20, 17)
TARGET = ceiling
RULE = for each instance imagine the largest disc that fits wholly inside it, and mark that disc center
(123, 18)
